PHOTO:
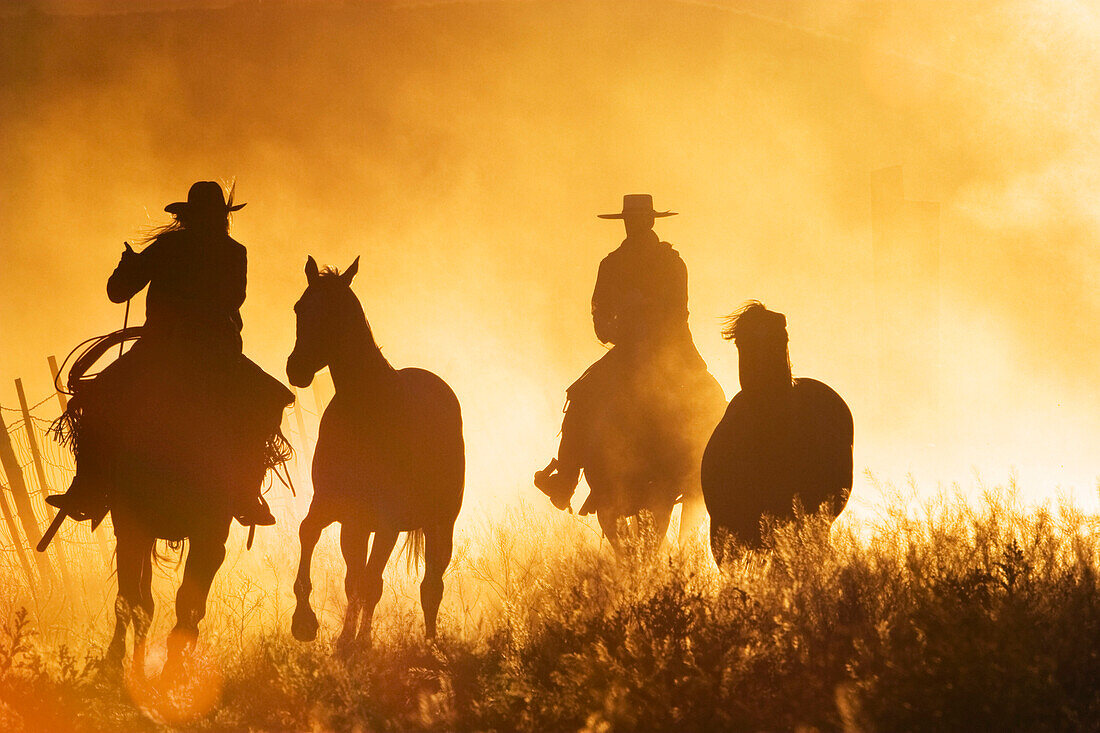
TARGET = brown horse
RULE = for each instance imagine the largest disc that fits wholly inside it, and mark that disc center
(174, 459)
(643, 444)
(390, 458)
(780, 438)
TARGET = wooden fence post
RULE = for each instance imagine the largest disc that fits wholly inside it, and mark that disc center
(55, 373)
(16, 538)
(43, 485)
(22, 500)
(63, 400)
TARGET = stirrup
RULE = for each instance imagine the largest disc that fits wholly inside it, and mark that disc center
(69, 504)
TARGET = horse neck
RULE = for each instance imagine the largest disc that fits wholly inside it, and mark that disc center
(358, 367)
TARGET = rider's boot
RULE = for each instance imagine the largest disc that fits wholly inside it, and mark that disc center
(254, 511)
(558, 482)
(250, 508)
(86, 497)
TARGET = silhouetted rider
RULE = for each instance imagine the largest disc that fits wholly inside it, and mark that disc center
(640, 306)
(196, 285)
(189, 352)
(641, 290)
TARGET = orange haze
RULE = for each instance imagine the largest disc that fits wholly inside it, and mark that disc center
(463, 150)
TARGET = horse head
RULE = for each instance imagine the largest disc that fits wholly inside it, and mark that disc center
(327, 313)
(761, 338)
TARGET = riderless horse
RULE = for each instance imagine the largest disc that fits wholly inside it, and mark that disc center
(781, 438)
(389, 458)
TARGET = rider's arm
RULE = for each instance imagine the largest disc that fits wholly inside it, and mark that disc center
(235, 286)
(131, 275)
(238, 280)
(603, 313)
(677, 283)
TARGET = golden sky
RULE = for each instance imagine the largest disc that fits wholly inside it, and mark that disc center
(463, 150)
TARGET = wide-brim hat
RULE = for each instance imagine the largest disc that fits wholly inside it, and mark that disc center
(637, 203)
(204, 196)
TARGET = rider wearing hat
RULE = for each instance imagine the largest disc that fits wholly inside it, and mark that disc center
(189, 351)
(639, 305)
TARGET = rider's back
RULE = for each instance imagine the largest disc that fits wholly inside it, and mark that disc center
(641, 289)
(196, 283)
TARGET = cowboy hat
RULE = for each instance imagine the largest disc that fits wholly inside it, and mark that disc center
(637, 203)
(204, 196)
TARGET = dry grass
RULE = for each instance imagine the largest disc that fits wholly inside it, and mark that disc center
(956, 617)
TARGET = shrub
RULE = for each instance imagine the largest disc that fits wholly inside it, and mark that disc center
(957, 617)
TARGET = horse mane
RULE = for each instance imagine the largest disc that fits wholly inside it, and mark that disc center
(753, 320)
(761, 339)
(329, 273)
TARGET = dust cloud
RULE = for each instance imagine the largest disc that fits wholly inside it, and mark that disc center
(463, 150)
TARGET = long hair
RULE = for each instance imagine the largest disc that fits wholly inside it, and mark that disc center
(761, 339)
(183, 221)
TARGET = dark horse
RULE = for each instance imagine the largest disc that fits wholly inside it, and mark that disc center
(174, 437)
(389, 458)
(642, 448)
(780, 438)
(172, 478)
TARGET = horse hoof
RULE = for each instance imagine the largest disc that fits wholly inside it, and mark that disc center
(351, 651)
(172, 674)
(109, 668)
(304, 625)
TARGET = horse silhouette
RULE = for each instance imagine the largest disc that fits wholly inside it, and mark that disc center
(641, 450)
(637, 420)
(390, 458)
(780, 438)
(175, 436)
(173, 477)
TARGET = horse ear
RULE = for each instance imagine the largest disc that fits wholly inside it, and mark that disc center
(349, 273)
(311, 269)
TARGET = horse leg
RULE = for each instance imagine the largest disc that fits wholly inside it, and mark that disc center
(204, 557)
(304, 625)
(143, 613)
(438, 546)
(116, 650)
(381, 548)
(354, 538)
(610, 525)
(653, 526)
(720, 543)
(130, 546)
(694, 509)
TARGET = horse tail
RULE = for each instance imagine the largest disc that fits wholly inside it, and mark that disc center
(413, 549)
(173, 550)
